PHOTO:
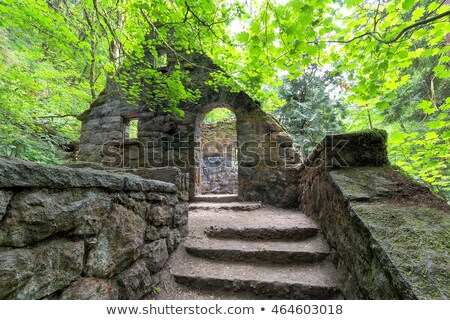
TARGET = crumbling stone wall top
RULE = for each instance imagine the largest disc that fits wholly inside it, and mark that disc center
(16, 173)
(355, 149)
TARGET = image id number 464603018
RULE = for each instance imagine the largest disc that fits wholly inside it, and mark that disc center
(307, 309)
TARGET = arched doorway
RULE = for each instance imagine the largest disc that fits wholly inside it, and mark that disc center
(216, 169)
(219, 168)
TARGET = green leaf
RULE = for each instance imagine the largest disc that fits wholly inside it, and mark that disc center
(382, 105)
(444, 59)
(396, 138)
(433, 6)
(441, 71)
(437, 124)
(417, 14)
(426, 106)
(391, 7)
(403, 54)
(431, 135)
(408, 4)
(143, 5)
(352, 3)
(242, 37)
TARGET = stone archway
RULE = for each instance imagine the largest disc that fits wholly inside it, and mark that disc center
(196, 170)
(219, 165)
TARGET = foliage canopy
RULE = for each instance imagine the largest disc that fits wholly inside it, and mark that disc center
(390, 58)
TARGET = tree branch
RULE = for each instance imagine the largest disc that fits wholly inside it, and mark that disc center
(375, 20)
(115, 43)
(57, 116)
(93, 44)
(399, 35)
(415, 25)
(208, 26)
(177, 55)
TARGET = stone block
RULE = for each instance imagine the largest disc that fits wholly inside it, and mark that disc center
(5, 197)
(110, 120)
(155, 255)
(91, 289)
(34, 273)
(389, 233)
(105, 124)
(100, 138)
(161, 214)
(89, 150)
(118, 244)
(36, 215)
(84, 165)
(90, 125)
(135, 282)
(141, 208)
(357, 149)
(162, 123)
(111, 108)
(181, 214)
(151, 233)
(173, 240)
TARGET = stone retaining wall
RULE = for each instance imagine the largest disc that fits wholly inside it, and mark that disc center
(85, 234)
(389, 235)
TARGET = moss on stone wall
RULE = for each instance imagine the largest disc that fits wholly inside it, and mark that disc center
(355, 149)
(409, 225)
(366, 136)
(389, 235)
(416, 240)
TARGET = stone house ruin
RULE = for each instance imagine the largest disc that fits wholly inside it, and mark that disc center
(266, 158)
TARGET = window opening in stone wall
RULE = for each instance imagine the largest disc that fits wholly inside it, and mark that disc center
(219, 172)
(131, 129)
(161, 61)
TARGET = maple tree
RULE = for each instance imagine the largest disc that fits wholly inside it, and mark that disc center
(56, 55)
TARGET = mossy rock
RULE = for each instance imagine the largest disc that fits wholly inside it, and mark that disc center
(415, 239)
(408, 225)
(356, 149)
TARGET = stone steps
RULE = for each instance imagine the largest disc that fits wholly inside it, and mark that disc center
(221, 198)
(265, 253)
(261, 233)
(279, 252)
(235, 206)
(302, 281)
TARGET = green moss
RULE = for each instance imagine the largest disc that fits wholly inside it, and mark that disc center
(369, 135)
(416, 240)
(364, 182)
(372, 135)
(362, 148)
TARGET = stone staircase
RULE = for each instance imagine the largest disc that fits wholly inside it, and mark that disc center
(244, 250)
(222, 202)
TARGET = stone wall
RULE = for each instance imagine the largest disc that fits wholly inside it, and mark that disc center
(85, 234)
(266, 156)
(389, 235)
(219, 172)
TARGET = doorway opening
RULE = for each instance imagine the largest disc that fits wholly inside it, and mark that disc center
(218, 145)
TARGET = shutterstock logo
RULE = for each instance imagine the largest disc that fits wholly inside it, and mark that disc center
(186, 152)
